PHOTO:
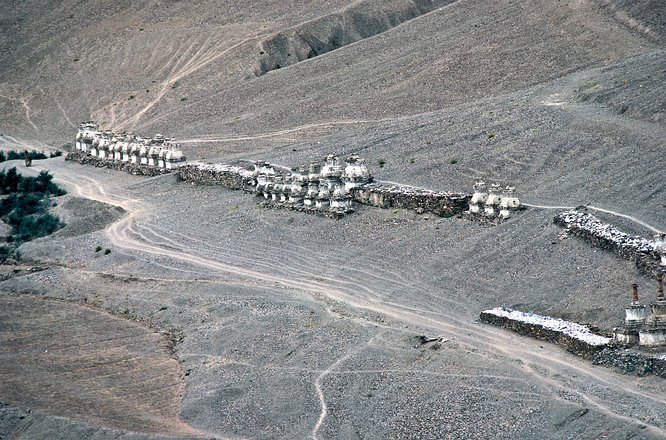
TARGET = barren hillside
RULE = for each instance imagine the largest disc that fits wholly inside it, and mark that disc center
(295, 326)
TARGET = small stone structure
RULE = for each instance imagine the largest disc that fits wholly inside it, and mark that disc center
(649, 255)
(494, 203)
(157, 152)
(644, 324)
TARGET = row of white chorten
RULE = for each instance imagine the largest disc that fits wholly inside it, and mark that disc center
(320, 186)
(157, 152)
(493, 202)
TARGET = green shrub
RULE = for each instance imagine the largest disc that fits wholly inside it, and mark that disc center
(107, 251)
(35, 226)
(5, 252)
(381, 163)
(98, 248)
(34, 155)
(14, 155)
(25, 208)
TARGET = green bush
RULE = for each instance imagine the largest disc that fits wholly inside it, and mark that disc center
(107, 251)
(35, 226)
(25, 208)
(12, 182)
(98, 248)
(16, 155)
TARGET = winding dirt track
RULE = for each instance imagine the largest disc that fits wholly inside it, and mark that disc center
(559, 375)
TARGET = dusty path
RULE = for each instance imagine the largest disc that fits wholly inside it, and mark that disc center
(559, 375)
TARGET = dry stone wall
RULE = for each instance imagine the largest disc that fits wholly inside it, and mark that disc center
(229, 176)
(577, 339)
(443, 204)
(631, 361)
(647, 254)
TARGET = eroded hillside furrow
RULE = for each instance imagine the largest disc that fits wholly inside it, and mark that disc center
(326, 34)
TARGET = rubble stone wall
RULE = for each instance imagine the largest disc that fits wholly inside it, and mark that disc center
(231, 177)
(609, 355)
(571, 344)
(128, 167)
(443, 204)
(642, 251)
(630, 361)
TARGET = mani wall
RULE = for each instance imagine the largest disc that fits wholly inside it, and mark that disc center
(577, 339)
(649, 255)
(331, 188)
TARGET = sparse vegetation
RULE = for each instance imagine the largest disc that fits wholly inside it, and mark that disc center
(453, 161)
(183, 98)
(107, 251)
(34, 155)
(490, 134)
(98, 248)
(381, 163)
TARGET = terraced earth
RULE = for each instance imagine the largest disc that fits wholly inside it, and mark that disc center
(292, 326)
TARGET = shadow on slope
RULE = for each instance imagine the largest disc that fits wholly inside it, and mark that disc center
(331, 32)
(633, 88)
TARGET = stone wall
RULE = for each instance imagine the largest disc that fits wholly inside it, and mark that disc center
(584, 347)
(645, 253)
(577, 339)
(229, 176)
(630, 361)
(131, 168)
(443, 204)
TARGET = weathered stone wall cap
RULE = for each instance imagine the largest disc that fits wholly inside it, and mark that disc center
(572, 329)
(220, 168)
(595, 226)
(411, 190)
